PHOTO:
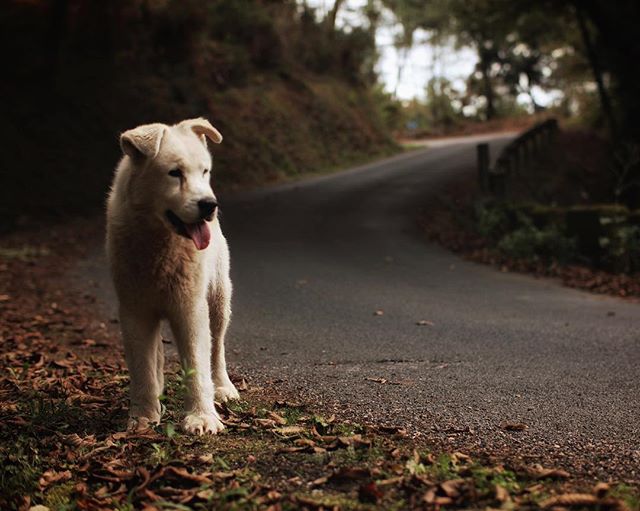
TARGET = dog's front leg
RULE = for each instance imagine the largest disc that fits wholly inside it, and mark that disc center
(191, 329)
(220, 313)
(141, 337)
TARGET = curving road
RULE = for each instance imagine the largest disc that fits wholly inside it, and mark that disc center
(312, 261)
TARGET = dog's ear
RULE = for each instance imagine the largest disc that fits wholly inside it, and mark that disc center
(144, 141)
(203, 128)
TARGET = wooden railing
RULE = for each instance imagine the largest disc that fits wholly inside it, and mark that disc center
(518, 156)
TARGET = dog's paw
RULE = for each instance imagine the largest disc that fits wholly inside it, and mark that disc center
(140, 424)
(201, 424)
(226, 392)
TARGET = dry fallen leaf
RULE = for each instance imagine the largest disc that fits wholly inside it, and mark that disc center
(205, 458)
(265, 423)
(513, 426)
(377, 380)
(378, 313)
(453, 487)
(205, 494)
(539, 472)
(601, 490)
(424, 322)
(319, 481)
(569, 499)
(289, 430)
(277, 418)
(502, 495)
(51, 476)
(430, 496)
(390, 481)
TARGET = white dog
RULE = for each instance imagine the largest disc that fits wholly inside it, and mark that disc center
(169, 260)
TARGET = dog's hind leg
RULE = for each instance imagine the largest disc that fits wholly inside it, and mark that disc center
(219, 317)
(190, 327)
(141, 336)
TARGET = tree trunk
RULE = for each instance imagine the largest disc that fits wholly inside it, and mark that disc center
(616, 27)
(57, 32)
(592, 56)
(333, 14)
(485, 69)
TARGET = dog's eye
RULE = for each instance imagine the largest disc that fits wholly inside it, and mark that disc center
(205, 172)
(175, 173)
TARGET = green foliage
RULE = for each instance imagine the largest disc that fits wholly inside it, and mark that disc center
(622, 249)
(493, 222)
(24, 253)
(512, 230)
(21, 469)
(60, 497)
(443, 468)
(390, 110)
(486, 479)
(440, 100)
(529, 242)
(606, 235)
(625, 172)
(629, 494)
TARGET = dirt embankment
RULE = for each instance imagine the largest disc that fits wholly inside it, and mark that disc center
(287, 97)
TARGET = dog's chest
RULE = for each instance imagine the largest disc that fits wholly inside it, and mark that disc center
(165, 271)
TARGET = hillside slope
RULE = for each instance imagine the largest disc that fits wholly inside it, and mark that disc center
(287, 97)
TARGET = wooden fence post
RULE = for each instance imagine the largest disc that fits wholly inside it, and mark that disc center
(515, 160)
(526, 153)
(498, 183)
(499, 175)
(483, 166)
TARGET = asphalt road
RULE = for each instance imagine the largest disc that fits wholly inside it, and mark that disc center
(313, 261)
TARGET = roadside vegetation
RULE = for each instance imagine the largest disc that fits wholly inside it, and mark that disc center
(290, 93)
(562, 218)
(63, 411)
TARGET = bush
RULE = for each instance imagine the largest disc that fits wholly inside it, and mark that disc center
(496, 219)
(606, 236)
(525, 231)
(529, 242)
(493, 222)
(621, 249)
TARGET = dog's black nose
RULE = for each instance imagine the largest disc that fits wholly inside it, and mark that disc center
(207, 207)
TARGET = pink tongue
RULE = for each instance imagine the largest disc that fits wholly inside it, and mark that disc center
(199, 233)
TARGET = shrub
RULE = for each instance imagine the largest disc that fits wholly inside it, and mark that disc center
(493, 222)
(529, 242)
(621, 249)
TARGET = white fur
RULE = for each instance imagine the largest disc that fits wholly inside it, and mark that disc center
(160, 275)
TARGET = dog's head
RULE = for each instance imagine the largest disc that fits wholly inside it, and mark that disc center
(170, 175)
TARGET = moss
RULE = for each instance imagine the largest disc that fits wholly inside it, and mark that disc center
(486, 479)
(442, 468)
(629, 494)
(21, 470)
(60, 497)
(601, 209)
(331, 501)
